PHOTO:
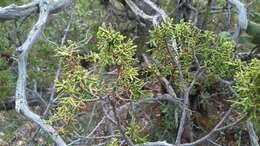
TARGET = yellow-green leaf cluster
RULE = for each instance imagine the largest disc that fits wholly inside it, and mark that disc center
(115, 50)
(247, 87)
(182, 41)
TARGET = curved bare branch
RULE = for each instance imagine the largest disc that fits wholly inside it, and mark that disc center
(140, 13)
(14, 11)
(45, 7)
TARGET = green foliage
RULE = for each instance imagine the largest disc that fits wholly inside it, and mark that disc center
(133, 131)
(162, 129)
(248, 88)
(183, 42)
(213, 52)
(3, 65)
(115, 50)
(160, 38)
(8, 2)
(222, 2)
(114, 142)
(255, 17)
(79, 85)
(83, 5)
(253, 30)
(66, 110)
(42, 65)
(205, 96)
(9, 123)
(7, 82)
(77, 82)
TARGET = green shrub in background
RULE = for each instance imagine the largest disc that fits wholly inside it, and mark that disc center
(8, 2)
(7, 80)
